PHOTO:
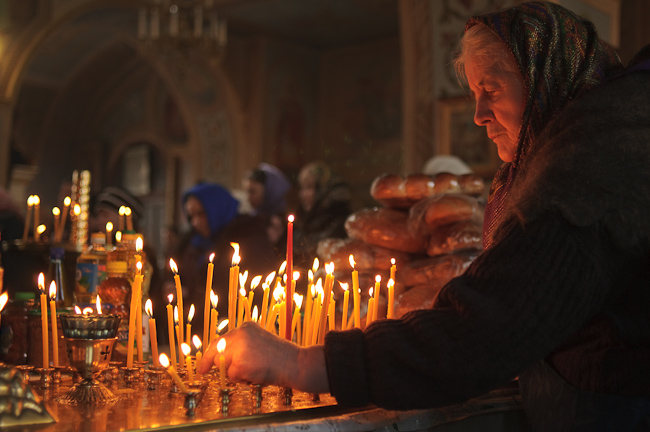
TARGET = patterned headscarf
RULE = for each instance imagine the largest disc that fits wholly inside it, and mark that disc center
(560, 57)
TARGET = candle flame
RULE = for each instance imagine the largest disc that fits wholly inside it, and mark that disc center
(296, 275)
(148, 308)
(222, 325)
(170, 297)
(56, 211)
(172, 265)
(255, 282)
(118, 236)
(77, 310)
(297, 298)
(139, 244)
(345, 286)
(190, 314)
(392, 261)
(329, 268)
(41, 229)
(235, 255)
(313, 290)
(98, 305)
(278, 292)
(284, 278)
(163, 360)
(310, 276)
(30, 200)
(76, 210)
(319, 285)
(52, 290)
(196, 341)
(391, 283)
(370, 292)
(352, 262)
(87, 310)
(211, 256)
(242, 291)
(290, 218)
(4, 298)
(176, 315)
(283, 267)
(67, 201)
(254, 314)
(243, 277)
(127, 211)
(36, 200)
(41, 282)
(109, 226)
(269, 278)
(221, 345)
(377, 278)
(214, 300)
(186, 349)
(315, 265)
(138, 265)
(121, 211)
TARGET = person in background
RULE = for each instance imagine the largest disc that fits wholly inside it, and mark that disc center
(212, 213)
(324, 207)
(559, 297)
(106, 205)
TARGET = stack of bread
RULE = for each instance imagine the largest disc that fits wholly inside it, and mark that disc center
(430, 225)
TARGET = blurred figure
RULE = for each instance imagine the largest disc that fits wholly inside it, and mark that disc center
(106, 205)
(212, 213)
(446, 163)
(325, 205)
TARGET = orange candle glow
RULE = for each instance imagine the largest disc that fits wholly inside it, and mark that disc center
(266, 286)
(28, 217)
(329, 282)
(179, 300)
(44, 329)
(187, 350)
(133, 327)
(153, 338)
(178, 326)
(56, 212)
(390, 313)
(214, 317)
(393, 269)
(197, 344)
(164, 362)
(109, 233)
(208, 294)
(138, 310)
(55, 330)
(297, 299)
(129, 219)
(4, 298)
(371, 308)
(221, 347)
(232, 287)
(120, 221)
(188, 326)
(170, 329)
(375, 312)
(346, 299)
(37, 211)
(64, 214)
(356, 294)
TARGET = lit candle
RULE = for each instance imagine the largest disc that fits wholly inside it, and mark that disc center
(232, 287)
(66, 209)
(208, 294)
(129, 219)
(28, 217)
(39, 231)
(55, 330)
(297, 298)
(214, 316)
(188, 326)
(98, 305)
(331, 313)
(266, 286)
(138, 317)
(57, 218)
(290, 285)
(109, 233)
(346, 299)
(375, 312)
(170, 329)
(255, 314)
(179, 337)
(46, 354)
(221, 346)
(120, 221)
(254, 283)
(390, 313)
(187, 350)
(197, 344)
(308, 303)
(153, 338)
(4, 298)
(356, 293)
(329, 282)
(371, 308)
(135, 294)
(241, 298)
(316, 313)
(393, 269)
(270, 322)
(37, 211)
(164, 362)
(179, 300)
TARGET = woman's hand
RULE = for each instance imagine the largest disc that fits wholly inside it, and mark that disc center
(255, 355)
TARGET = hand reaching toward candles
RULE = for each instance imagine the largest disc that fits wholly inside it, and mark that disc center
(254, 355)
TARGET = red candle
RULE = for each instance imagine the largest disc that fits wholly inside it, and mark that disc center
(289, 273)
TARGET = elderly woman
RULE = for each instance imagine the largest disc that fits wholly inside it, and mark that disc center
(560, 295)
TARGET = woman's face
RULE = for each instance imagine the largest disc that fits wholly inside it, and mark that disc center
(197, 217)
(499, 103)
(255, 192)
(307, 193)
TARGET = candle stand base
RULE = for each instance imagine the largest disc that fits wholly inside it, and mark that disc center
(114, 367)
(315, 397)
(287, 393)
(130, 374)
(257, 395)
(153, 378)
(191, 402)
(225, 400)
(25, 369)
(46, 379)
(57, 374)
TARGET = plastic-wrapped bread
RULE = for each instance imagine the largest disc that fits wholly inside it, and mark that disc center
(366, 256)
(386, 228)
(454, 237)
(431, 213)
(395, 191)
(436, 271)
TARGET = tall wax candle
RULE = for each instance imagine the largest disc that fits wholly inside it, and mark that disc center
(371, 308)
(28, 217)
(129, 219)
(187, 350)
(346, 299)
(138, 319)
(318, 307)
(170, 329)
(390, 312)
(233, 292)
(56, 212)
(308, 307)
(120, 222)
(297, 298)
(153, 336)
(206, 306)
(133, 327)
(178, 327)
(265, 305)
(290, 285)
(44, 329)
(393, 269)
(331, 313)
(356, 294)
(214, 317)
(64, 215)
(37, 212)
(179, 300)
(109, 236)
(197, 344)
(188, 326)
(329, 282)
(171, 369)
(55, 330)
(375, 312)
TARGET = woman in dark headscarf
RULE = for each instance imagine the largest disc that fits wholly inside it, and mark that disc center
(560, 295)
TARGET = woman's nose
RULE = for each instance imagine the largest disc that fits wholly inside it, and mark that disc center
(483, 114)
